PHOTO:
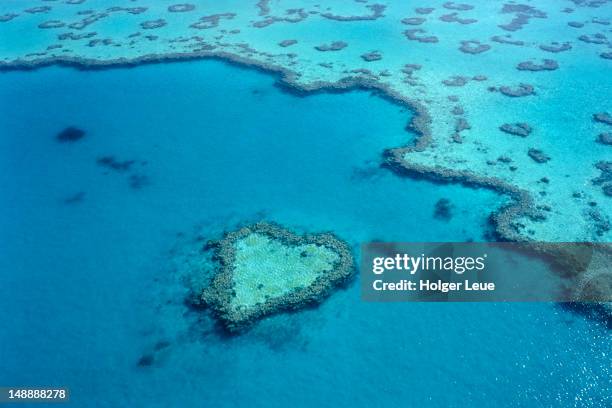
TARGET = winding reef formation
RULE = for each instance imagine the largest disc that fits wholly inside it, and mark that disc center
(265, 269)
(281, 38)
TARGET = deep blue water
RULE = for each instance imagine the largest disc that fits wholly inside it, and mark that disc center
(90, 287)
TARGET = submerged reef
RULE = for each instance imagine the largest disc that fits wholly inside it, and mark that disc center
(111, 163)
(521, 90)
(152, 24)
(70, 134)
(538, 155)
(443, 209)
(473, 47)
(371, 56)
(287, 43)
(506, 39)
(556, 47)
(334, 46)
(605, 179)
(546, 65)
(181, 8)
(603, 117)
(424, 10)
(265, 269)
(605, 138)
(523, 13)
(454, 18)
(414, 35)
(376, 9)
(516, 129)
(413, 20)
(75, 198)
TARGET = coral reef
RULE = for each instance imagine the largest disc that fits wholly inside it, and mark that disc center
(181, 8)
(413, 35)
(546, 65)
(152, 24)
(334, 46)
(287, 43)
(70, 134)
(473, 47)
(265, 269)
(605, 138)
(114, 164)
(517, 129)
(556, 47)
(377, 12)
(372, 56)
(443, 209)
(413, 20)
(521, 90)
(454, 18)
(538, 155)
(603, 117)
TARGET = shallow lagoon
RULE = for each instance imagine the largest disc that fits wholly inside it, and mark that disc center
(92, 286)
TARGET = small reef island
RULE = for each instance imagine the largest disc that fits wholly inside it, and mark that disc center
(265, 269)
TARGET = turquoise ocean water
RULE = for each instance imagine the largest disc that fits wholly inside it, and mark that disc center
(92, 257)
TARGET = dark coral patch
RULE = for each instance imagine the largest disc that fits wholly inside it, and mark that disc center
(556, 47)
(181, 8)
(138, 181)
(334, 46)
(454, 18)
(457, 110)
(413, 20)
(153, 24)
(522, 14)
(605, 179)
(473, 47)
(287, 43)
(376, 9)
(74, 36)
(451, 5)
(39, 9)
(52, 24)
(70, 134)
(424, 10)
(443, 209)
(372, 56)
(212, 21)
(517, 129)
(461, 124)
(603, 117)
(7, 17)
(111, 163)
(602, 21)
(413, 35)
(146, 360)
(506, 39)
(100, 41)
(605, 138)
(521, 90)
(75, 198)
(546, 65)
(597, 38)
(538, 155)
(456, 80)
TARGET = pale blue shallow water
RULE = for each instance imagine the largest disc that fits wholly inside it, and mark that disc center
(90, 287)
